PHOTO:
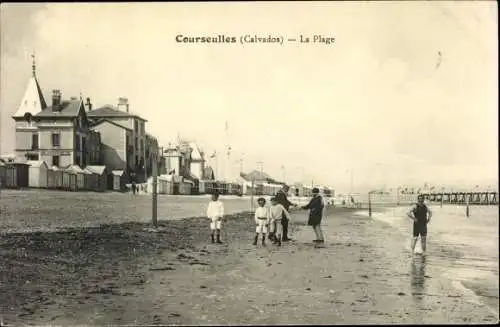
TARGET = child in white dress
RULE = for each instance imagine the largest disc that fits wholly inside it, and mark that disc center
(215, 212)
(262, 219)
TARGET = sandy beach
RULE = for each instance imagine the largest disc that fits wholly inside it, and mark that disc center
(128, 274)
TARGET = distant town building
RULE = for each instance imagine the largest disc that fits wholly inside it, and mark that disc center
(58, 134)
(197, 161)
(136, 157)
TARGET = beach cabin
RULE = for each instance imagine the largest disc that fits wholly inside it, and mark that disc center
(16, 175)
(2, 175)
(80, 176)
(164, 184)
(38, 171)
(101, 177)
(90, 180)
(206, 186)
(234, 189)
(167, 184)
(69, 179)
(185, 186)
(9, 176)
(118, 177)
(54, 178)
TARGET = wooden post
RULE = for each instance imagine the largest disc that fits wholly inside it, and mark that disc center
(467, 212)
(155, 191)
(369, 204)
(251, 195)
(397, 196)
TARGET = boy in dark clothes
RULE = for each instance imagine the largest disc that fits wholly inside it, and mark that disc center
(316, 206)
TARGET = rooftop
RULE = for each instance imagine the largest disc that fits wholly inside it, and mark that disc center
(67, 109)
(112, 112)
(104, 120)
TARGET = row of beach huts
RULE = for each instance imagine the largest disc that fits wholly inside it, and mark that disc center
(173, 184)
(37, 174)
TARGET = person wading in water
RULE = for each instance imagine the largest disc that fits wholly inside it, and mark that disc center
(421, 216)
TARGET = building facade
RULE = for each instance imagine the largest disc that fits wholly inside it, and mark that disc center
(58, 134)
(116, 147)
(136, 146)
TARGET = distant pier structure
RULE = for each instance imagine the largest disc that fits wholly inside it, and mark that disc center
(473, 198)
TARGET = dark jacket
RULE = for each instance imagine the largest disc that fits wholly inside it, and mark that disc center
(282, 199)
(315, 206)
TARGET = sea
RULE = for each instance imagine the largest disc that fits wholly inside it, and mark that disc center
(465, 249)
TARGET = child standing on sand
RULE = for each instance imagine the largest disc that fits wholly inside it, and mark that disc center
(276, 213)
(215, 212)
(316, 206)
(262, 219)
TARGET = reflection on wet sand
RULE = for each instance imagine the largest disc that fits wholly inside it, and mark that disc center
(418, 278)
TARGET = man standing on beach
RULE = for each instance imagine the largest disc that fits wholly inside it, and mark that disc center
(282, 198)
(421, 216)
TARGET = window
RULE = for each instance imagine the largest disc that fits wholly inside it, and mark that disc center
(77, 145)
(32, 157)
(55, 161)
(136, 126)
(34, 141)
(56, 139)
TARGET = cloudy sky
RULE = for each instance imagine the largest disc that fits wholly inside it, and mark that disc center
(407, 94)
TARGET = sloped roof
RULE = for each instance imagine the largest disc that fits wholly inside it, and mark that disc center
(99, 121)
(87, 171)
(208, 173)
(75, 169)
(118, 172)
(195, 153)
(110, 111)
(67, 108)
(33, 101)
(36, 163)
(97, 169)
(255, 175)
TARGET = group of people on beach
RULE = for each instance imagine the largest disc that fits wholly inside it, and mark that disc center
(271, 222)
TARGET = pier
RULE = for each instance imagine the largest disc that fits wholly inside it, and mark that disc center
(473, 198)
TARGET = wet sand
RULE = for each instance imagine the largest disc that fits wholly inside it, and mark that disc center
(127, 274)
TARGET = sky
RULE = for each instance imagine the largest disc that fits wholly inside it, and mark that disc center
(407, 94)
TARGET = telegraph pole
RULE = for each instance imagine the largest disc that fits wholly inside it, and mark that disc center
(155, 191)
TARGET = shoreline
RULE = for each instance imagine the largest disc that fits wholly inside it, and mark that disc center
(125, 273)
(475, 288)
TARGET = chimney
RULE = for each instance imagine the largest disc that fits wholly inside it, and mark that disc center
(56, 100)
(88, 105)
(123, 104)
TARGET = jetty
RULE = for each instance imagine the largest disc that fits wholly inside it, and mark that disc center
(473, 198)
